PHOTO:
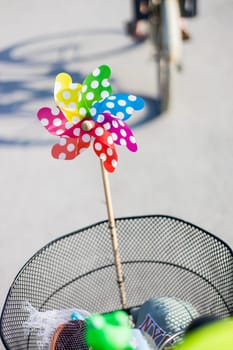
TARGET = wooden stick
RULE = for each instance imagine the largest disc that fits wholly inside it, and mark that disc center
(112, 227)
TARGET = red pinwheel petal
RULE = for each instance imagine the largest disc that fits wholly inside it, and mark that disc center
(69, 148)
(53, 120)
(105, 148)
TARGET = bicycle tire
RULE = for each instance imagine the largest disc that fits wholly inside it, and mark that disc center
(166, 36)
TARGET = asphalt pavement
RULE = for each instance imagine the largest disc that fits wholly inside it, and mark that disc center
(184, 164)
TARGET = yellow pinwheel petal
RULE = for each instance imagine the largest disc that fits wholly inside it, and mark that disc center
(66, 95)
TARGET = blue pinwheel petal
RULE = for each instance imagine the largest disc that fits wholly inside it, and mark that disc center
(121, 106)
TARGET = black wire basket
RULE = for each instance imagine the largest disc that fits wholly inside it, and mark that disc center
(160, 255)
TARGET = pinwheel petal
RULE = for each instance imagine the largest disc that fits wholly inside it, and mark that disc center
(66, 149)
(69, 148)
(95, 87)
(104, 148)
(107, 154)
(56, 123)
(53, 120)
(121, 133)
(119, 105)
(66, 95)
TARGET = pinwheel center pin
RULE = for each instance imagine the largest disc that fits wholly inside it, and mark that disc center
(87, 125)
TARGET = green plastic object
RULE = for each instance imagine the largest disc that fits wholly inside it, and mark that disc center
(109, 332)
(215, 336)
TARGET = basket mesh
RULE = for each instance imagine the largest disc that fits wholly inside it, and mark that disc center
(160, 255)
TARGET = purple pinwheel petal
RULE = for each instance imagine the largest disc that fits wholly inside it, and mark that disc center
(120, 131)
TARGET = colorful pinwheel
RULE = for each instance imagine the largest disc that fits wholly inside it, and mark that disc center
(90, 113)
(86, 114)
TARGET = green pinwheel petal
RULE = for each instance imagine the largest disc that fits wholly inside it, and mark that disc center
(95, 87)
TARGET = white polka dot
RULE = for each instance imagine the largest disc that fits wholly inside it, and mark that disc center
(129, 110)
(86, 138)
(82, 111)
(55, 111)
(98, 146)
(121, 102)
(99, 131)
(59, 131)
(132, 139)
(76, 131)
(100, 118)
(57, 122)
(110, 151)
(103, 156)
(104, 94)
(115, 124)
(94, 84)
(96, 72)
(110, 104)
(132, 97)
(120, 115)
(122, 142)
(114, 163)
(62, 141)
(62, 156)
(114, 136)
(68, 125)
(112, 97)
(70, 147)
(107, 126)
(105, 83)
(121, 122)
(93, 111)
(110, 140)
(84, 88)
(44, 121)
(72, 106)
(90, 96)
(66, 95)
(73, 86)
(75, 119)
(123, 132)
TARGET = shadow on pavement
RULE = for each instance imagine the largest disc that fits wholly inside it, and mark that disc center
(26, 66)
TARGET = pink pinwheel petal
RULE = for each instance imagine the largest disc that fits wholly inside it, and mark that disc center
(53, 120)
(56, 123)
(120, 131)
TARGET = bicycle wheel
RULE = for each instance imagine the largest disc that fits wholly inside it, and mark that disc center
(166, 36)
